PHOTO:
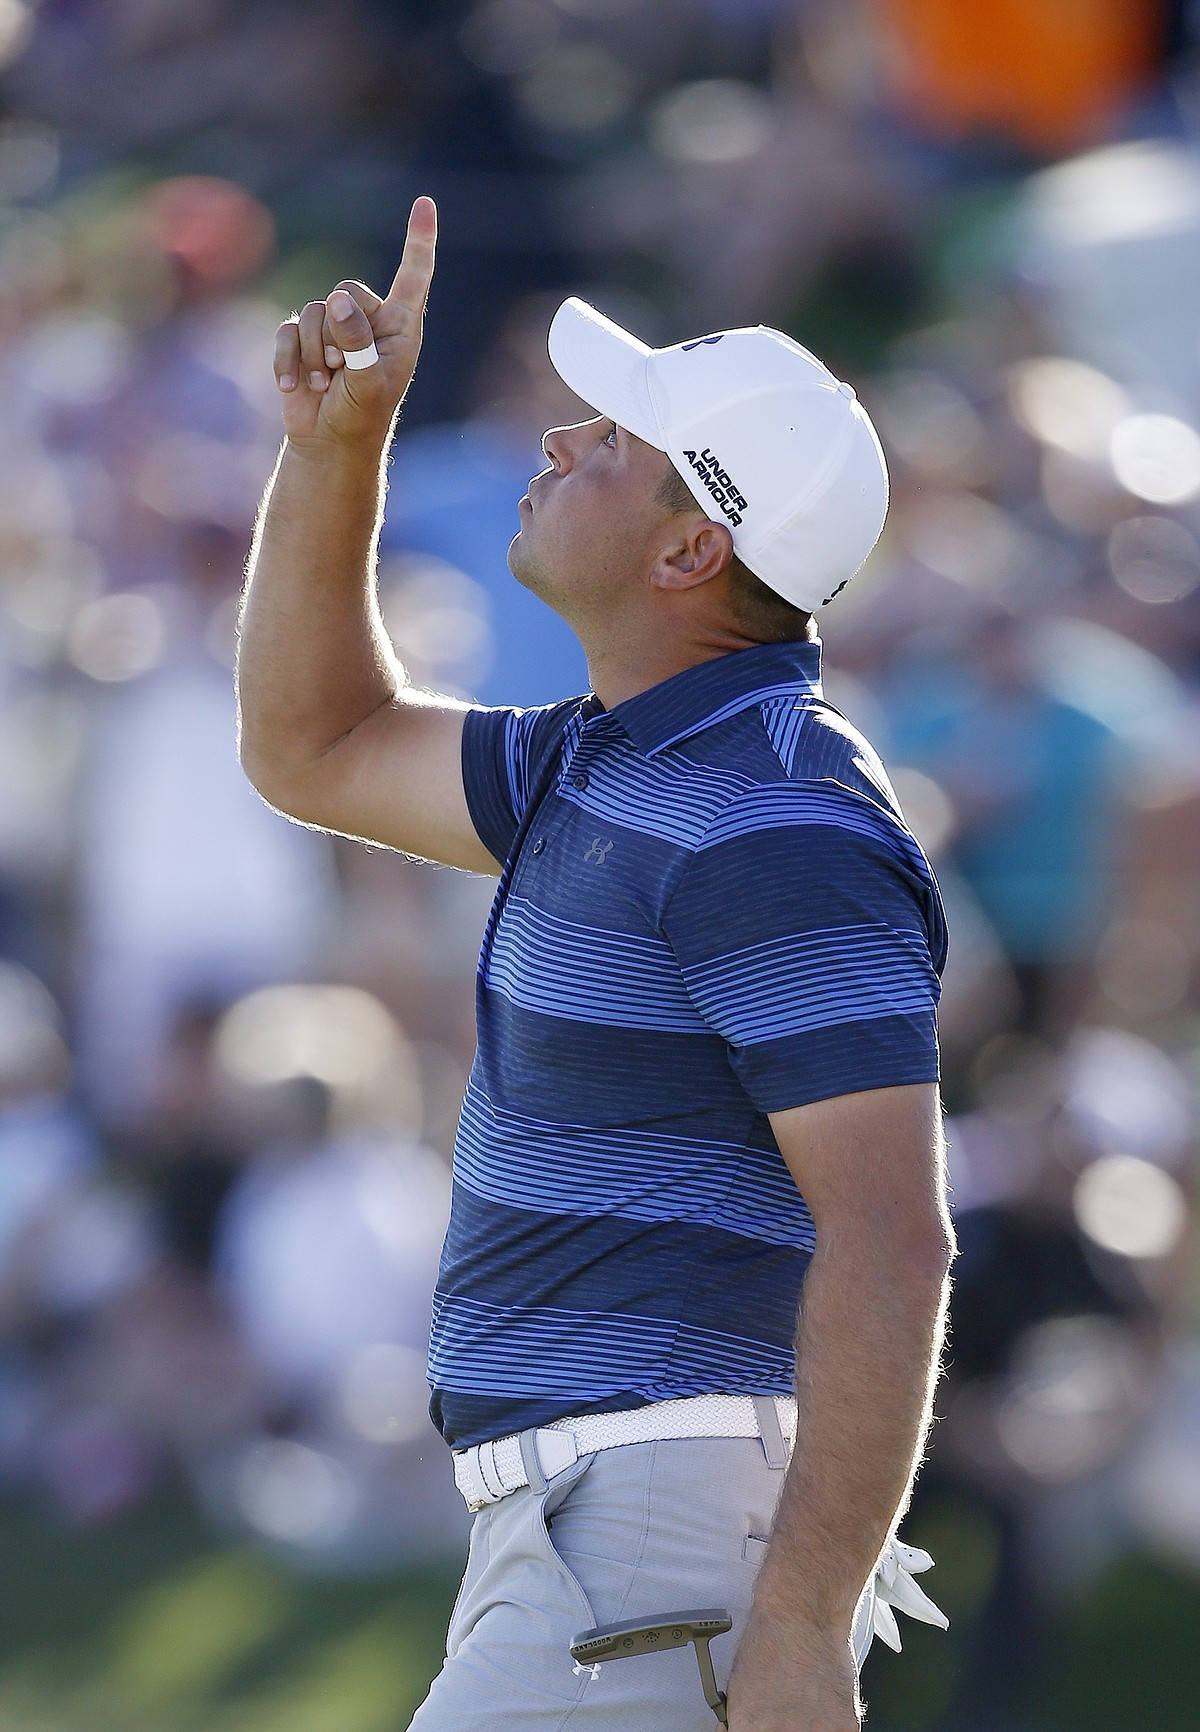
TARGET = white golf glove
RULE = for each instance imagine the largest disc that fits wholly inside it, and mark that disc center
(892, 1586)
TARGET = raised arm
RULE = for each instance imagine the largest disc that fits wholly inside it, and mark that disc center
(871, 1168)
(330, 731)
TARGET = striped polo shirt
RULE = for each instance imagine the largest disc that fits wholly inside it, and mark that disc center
(711, 909)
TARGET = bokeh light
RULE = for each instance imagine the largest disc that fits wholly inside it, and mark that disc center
(1156, 457)
(292, 1493)
(1127, 1095)
(931, 425)
(503, 37)
(577, 89)
(338, 1034)
(33, 1052)
(1067, 404)
(79, 360)
(16, 27)
(1130, 1207)
(927, 808)
(715, 121)
(971, 540)
(1154, 559)
(117, 637)
(1137, 189)
(1142, 968)
(1069, 1405)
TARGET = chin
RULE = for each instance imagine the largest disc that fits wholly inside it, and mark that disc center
(517, 563)
(525, 568)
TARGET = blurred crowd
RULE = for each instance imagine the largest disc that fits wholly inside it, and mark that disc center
(231, 1049)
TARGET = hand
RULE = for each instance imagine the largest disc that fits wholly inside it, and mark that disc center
(806, 1687)
(323, 399)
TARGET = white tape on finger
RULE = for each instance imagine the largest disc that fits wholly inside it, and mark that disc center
(357, 359)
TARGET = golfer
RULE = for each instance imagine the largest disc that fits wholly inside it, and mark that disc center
(706, 1076)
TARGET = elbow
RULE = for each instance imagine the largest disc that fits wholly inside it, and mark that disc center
(249, 750)
(264, 777)
(260, 765)
(255, 768)
(913, 1247)
(918, 1246)
(930, 1249)
(924, 1231)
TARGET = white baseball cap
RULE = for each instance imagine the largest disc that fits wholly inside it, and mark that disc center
(768, 440)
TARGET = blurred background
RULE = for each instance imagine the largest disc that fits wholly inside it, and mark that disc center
(231, 1050)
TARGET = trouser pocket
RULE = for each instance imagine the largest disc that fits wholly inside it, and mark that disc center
(550, 1503)
(598, 1529)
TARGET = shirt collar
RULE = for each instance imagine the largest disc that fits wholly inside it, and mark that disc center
(708, 693)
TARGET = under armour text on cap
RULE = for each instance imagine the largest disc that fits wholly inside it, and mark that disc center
(769, 441)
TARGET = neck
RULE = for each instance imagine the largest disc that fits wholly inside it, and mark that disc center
(620, 670)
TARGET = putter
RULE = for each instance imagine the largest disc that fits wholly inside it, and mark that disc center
(626, 1641)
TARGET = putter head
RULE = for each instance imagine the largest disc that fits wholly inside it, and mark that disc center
(642, 1636)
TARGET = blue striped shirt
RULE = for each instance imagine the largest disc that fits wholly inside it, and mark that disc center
(711, 909)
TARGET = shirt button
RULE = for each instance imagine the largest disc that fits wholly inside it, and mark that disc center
(539, 845)
(580, 781)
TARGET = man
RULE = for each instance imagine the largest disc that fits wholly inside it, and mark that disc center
(707, 1063)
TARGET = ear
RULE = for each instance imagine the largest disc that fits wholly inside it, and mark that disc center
(701, 551)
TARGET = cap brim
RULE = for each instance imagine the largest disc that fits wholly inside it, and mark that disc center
(605, 366)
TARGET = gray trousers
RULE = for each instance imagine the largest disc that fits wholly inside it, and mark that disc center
(643, 1530)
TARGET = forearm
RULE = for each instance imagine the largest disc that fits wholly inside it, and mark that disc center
(314, 659)
(867, 1354)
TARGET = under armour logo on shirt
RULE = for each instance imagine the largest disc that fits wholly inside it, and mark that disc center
(599, 850)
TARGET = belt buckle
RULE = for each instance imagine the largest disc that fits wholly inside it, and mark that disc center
(476, 1491)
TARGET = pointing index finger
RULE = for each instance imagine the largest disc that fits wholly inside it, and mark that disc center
(410, 285)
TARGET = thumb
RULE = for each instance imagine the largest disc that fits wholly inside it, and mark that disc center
(348, 324)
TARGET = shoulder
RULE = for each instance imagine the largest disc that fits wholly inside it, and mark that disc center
(820, 822)
(830, 748)
(806, 764)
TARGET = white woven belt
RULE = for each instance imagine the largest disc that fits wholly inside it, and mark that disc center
(486, 1472)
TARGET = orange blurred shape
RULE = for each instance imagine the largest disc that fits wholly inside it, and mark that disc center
(1049, 73)
(218, 231)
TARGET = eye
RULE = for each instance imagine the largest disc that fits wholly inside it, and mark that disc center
(611, 436)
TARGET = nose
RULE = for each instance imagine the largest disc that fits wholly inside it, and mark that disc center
(554, 444)
(560, 443)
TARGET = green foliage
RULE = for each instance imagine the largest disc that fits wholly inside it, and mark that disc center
(155, 1624)
(1134, 1656)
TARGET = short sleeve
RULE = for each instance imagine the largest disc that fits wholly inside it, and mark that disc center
(504, 754)
(810, 932)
